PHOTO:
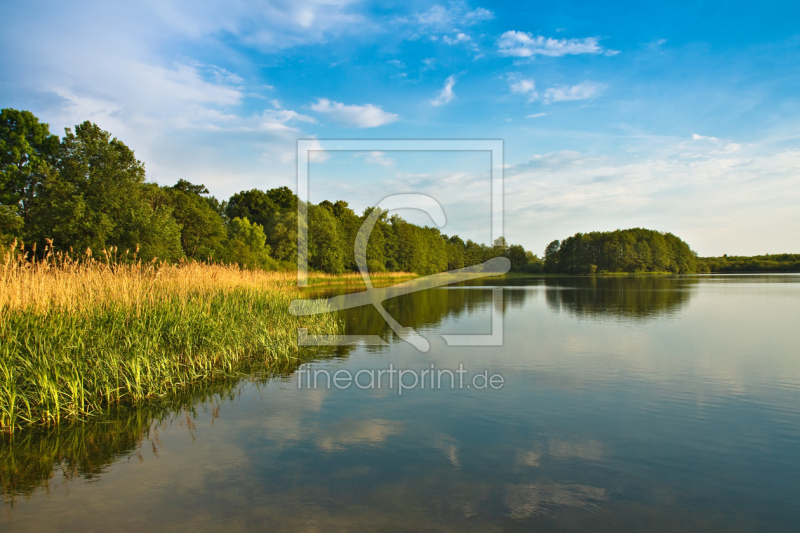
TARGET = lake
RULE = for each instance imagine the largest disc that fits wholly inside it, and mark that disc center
(659, 403)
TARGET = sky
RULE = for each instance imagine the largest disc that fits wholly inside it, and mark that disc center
(674, 116)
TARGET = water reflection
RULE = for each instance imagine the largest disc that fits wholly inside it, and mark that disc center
(525, 501)
(623, 297)
(31, 460)
(621, 422)
(629, 297)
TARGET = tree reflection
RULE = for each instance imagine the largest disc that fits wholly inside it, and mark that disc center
(631, 297)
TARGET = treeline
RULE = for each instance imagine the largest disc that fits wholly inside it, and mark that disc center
(630, 250)
(758, 263)
(86, 192)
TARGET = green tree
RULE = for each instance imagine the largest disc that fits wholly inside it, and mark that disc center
(98, 199)
(254, 205)
(28, 155)
(518, 257)
(203, 231)
(247, 245)
(326, 247)
(551, 257)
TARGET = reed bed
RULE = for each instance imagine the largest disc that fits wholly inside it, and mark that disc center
(354, 279)
(79, 335)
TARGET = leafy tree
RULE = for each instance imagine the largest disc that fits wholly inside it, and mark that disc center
(28, 155)
(325, 248)
(203, 231)
(551, 256)
(247, 245)
(631, 250)
(98, 199)
(254, 205)
(518, 257)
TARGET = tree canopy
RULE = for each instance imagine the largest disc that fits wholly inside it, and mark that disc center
(87, 190)
(630, 250)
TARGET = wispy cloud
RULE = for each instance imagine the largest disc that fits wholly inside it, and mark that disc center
(376, 158)
(270, 25)
(577, 191)
(446, 94)
(460, 37)
(354, 116)
(316, 153)
(448, 25)
(536, 115)
(523, 86)
(444, 19)
(565, 93)
(523, 44)
(697, 137)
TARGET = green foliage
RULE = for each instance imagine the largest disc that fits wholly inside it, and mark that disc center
(326, 246)
(11, 224)
(88, 190)
(254, 205)
(758, 263)
(67, 365)
(631, 250)
(98, 199)
(203, 231)
(28, 153)
(247, 245)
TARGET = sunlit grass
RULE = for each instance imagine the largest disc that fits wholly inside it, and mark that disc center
(76, 336)
(354, 279)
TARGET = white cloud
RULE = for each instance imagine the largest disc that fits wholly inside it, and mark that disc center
(522, 44)
(446, 94)
(564, 93)
(445, 24)
(444, 19)
(536, 115)
(718, 201)
(525, 87)
(459, 38)
(316, 153)
(265, 24)
(376, 158)
(476, 16)
(354, 116)
(697, 137)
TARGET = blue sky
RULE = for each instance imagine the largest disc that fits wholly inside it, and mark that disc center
(676, 116)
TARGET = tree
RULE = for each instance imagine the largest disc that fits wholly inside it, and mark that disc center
(247, 245)
(98, 199)
(518, 257)
(551, 257)
(254, 205)
(28, 155)
(203, 231)
(326, 247)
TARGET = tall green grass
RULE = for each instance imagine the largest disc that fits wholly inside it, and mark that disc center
(76, 337)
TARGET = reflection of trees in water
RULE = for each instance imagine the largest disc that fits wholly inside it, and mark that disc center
(629, 296)
(619, 297)
(30, 460)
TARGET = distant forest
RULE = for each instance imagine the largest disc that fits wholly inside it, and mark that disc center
(86, 192)
(631, 250)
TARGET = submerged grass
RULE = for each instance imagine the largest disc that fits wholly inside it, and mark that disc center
(78, 336)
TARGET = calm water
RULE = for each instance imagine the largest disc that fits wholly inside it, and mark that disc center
(628, 404)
